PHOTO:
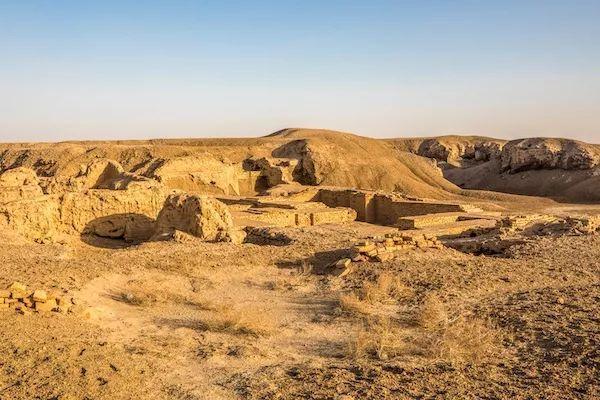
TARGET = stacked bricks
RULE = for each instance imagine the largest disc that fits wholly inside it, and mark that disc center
(382, 249)
(17, 297)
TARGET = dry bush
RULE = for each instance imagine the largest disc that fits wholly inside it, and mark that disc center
(247, 320)
(433, 315)
(378, 337)
(455, 337)
(469, 340)
(351, 304)
(387, 288)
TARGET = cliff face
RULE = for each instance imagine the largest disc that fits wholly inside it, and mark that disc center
(540, 153)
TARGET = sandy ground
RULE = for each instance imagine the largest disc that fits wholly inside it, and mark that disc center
(196, 320)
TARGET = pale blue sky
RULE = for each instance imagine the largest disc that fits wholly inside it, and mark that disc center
(143, 69)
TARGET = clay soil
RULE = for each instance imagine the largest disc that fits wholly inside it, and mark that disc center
(195, 320)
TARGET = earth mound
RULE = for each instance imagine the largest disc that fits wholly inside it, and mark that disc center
(562, 169)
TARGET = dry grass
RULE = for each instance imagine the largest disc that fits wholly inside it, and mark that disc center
(378, 337)
(352, 304)
(453, 337)
(456, 337)
(387, 289)
(246, 321)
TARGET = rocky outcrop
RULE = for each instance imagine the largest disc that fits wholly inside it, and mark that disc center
(98, 174)
(540, 153)
(200, 216)
(456, 150)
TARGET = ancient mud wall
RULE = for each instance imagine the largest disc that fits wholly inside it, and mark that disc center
(382, 209)
(388, 209)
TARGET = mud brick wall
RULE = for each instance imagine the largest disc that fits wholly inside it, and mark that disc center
(361, 202)
(382, 209)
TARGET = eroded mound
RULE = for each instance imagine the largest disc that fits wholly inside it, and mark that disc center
(203, 217)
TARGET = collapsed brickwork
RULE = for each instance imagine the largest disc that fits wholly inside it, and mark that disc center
(384, 248)
(19, 298)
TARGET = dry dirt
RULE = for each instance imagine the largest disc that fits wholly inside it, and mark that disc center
(189, 319)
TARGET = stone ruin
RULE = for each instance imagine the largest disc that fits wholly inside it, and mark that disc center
(18, 298)
(104, 200)
(203, 217)
(384, 248)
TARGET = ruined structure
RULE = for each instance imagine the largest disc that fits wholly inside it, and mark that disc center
(383, 208)
(200, 216)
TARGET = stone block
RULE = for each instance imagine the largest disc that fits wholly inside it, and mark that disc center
(343, 263)
(18, 287)
(48, 305)
(40, 295)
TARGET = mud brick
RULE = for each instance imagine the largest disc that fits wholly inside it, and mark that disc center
(45, 306)
(372, 253)
(40, 295)
(4, 293)
(17, 287)
(343, 263)
(365, 248)
(4, 306)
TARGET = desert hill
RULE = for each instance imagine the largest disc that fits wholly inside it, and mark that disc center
(224, 166)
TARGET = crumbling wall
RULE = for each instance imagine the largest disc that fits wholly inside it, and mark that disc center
(45, 217)
(389, 209)
(200, 216)
(19, 183)
(201, 173)
(98, 174)
(79, 208)
(378, 208)
(360, 201)
(273, 171)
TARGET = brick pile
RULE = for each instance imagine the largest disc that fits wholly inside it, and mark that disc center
(384, 248)
(18, 298)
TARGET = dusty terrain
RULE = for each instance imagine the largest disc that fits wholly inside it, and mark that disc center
(301, 265)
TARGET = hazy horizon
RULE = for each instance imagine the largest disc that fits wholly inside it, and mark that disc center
(183, 69)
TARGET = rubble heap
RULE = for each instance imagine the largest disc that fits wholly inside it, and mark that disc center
(17, 297)
(384, 248)
(572, 226)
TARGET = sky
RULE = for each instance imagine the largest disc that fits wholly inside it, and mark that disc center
(75, 70)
